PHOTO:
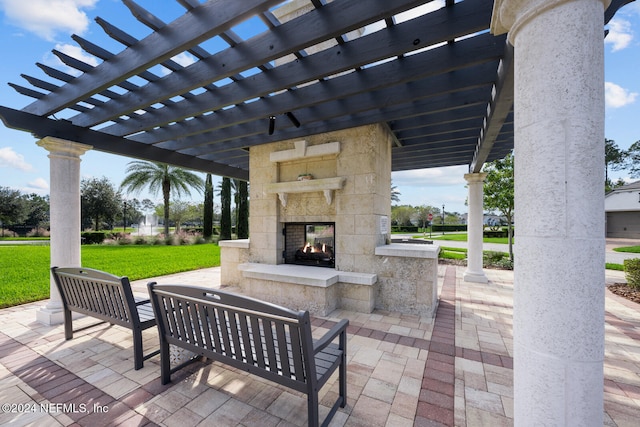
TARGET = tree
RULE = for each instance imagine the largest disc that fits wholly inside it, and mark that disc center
(235, 190)
(225, 202)
(207, 228)
(38, 208)
(170, 180)
(131, 212)
(422, 214)
(499, 192)
(242, 226)
(100, 201)
(632, 160)
(180, 212)
(401, 215)
(13, 207)
(614, 158)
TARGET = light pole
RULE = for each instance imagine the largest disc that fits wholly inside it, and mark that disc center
(443, 219)
(124, 218)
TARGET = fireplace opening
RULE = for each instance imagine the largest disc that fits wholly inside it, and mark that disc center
(310, 244)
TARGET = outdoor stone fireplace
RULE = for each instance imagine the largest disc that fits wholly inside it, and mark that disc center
(326, 202)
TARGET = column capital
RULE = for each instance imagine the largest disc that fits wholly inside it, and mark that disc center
(511, 15)
(475, 177)
(62, 147)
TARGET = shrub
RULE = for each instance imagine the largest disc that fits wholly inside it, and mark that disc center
(140, 240)
(404, 228)
(38, 232)
(93, 237)
(492, 257)
(491, 233)
(497, 260)
(632, 272)
(505, 263)
(498, 233)
(124, 240)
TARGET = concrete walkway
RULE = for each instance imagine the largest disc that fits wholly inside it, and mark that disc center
(611, 256)
(455, 369)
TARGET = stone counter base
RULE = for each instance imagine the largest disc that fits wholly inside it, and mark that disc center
(319, 290)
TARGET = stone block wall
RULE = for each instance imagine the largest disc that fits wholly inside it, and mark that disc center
(364, 161)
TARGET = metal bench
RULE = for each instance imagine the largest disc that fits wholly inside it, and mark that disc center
(105, 297)
(263, 339)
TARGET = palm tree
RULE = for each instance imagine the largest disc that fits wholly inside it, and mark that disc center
(395, 194)
(161, 176)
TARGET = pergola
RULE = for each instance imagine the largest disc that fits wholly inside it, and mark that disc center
(443, 83)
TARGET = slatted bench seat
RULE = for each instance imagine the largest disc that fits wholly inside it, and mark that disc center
(263, 339)
(106, 297)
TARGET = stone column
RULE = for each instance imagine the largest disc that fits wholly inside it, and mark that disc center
(64, 198)
(559, 204)
(474, 272)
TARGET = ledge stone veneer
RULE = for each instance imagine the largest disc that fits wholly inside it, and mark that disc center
(398, 277)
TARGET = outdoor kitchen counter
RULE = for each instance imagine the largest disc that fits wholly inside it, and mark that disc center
(410, 250)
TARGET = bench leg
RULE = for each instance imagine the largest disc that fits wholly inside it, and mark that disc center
(138, 357)
(342, 370)
(165, 362)
(312, 409)
(68, 325)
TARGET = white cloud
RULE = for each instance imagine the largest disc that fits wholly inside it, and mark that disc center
(419, 11)
(72, 51)
(407, 15)
(39, 185)
(11, 159)
(616, 96)
(620, 34)
(185, 59)
(46, 18)
(435, 177)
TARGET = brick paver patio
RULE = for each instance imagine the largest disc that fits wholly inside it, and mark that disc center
(403, 370)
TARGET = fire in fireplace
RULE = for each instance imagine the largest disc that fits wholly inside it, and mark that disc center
(309, 244)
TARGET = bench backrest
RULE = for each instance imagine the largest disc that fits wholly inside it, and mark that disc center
(96, 293)
(264, 339)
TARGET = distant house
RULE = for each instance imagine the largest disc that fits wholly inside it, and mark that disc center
(622, 207)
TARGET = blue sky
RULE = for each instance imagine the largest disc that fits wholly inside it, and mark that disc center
(30, 29)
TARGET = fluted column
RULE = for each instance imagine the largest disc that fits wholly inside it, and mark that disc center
(474, 272)
(64, 200)
(559, 205)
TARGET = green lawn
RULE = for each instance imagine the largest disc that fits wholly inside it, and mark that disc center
(25, 269)
(632, 249)
(462, 237)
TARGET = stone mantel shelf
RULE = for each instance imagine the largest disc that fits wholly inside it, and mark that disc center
(302, 150)
(326, 185)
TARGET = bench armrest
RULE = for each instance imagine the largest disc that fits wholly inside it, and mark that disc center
(331, 334)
